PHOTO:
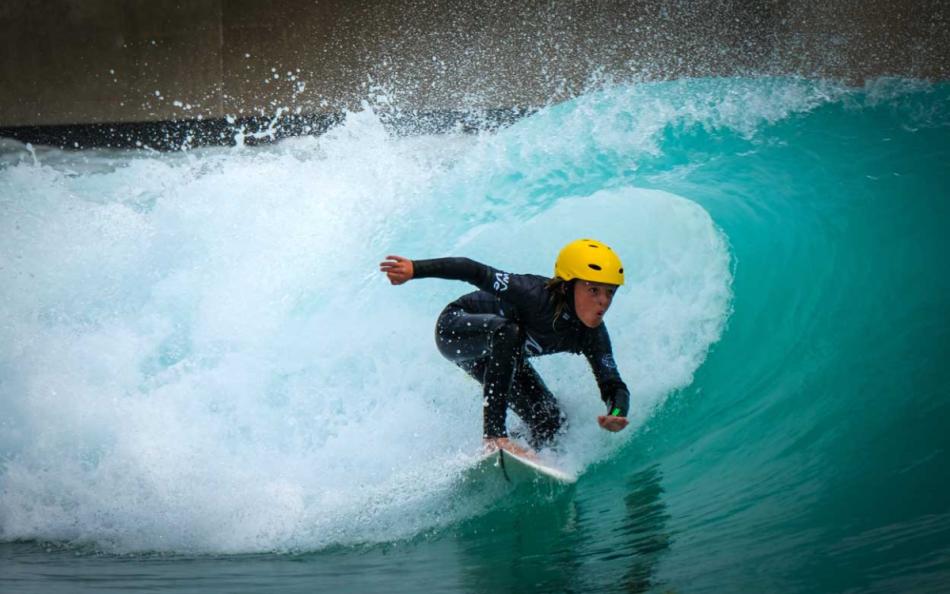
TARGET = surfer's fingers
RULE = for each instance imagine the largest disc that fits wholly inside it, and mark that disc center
(395, 271)
(403, 267)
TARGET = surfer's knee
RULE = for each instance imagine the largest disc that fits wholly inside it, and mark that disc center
(444, 330)
(453, 339)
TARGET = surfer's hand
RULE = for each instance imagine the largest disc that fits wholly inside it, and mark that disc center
(397, 268)
(503, 443)
(612, 423)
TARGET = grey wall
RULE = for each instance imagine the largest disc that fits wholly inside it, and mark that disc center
(88, 61)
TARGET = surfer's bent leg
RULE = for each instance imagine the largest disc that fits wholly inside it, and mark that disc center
(489, 347)
(536, 405)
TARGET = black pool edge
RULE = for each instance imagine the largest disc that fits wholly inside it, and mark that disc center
(185, 134)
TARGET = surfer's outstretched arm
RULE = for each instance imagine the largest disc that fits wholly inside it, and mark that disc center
(518, 289)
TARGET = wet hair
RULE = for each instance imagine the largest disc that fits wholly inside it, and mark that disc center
(562, 292)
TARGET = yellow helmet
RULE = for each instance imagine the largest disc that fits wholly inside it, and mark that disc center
(590, 260)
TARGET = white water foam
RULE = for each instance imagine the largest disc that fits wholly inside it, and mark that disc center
(197, 352)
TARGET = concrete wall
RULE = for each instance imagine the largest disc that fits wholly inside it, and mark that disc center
(77, 61)
(89, 61)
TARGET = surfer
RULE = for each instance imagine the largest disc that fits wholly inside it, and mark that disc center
(489, 333)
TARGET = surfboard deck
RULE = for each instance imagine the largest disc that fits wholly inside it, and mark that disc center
(516, 470)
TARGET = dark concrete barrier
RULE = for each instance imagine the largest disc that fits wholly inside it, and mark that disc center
(115, 62)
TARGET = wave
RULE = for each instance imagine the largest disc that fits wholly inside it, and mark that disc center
(199, 355)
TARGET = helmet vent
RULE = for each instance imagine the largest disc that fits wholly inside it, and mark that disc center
(594, 266)
(621, 271)
(592, 245)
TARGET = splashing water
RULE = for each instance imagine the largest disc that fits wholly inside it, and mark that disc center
(197, 353)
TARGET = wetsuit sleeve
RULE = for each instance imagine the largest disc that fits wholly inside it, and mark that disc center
(613, 391)
(518, 289)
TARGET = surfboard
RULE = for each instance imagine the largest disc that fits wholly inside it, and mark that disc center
(516, 470)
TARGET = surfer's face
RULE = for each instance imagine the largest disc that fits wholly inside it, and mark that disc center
(591, 301)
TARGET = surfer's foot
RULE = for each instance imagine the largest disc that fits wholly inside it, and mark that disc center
(503, 443)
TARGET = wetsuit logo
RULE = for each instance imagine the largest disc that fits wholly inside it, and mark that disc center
(501, 281)
(533, 346)
(608, 361)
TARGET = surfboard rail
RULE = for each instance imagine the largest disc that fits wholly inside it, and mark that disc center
(516, 469)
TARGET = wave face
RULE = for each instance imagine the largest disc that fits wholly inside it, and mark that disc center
(197, 354)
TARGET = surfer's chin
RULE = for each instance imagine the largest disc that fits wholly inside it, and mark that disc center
(593, 323)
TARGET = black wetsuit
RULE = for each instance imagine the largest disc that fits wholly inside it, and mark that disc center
(488, 333)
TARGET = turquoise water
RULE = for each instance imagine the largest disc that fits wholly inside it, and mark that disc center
(205, 382)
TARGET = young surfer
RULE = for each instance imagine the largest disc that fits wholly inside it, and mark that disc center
(490, 332)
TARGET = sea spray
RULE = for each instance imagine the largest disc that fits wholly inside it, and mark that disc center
(199, 354)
